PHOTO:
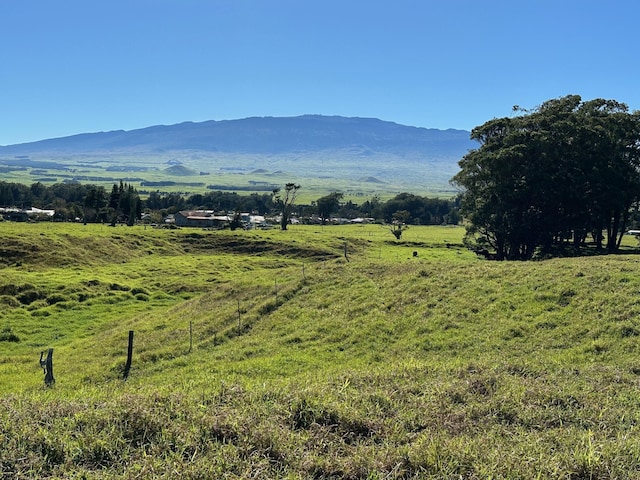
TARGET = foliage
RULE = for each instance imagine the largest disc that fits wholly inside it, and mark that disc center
(95, 203)
(328, 205)
(125, 204)
(421, 210)
(562, 171)
(398, 224)
(230, 201)
(284, 202)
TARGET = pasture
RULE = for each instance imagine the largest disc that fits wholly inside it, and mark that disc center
(197, 173)
(318, 352)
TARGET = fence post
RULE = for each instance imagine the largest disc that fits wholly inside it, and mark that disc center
(47, 366)
(190, 335)
(127, 366)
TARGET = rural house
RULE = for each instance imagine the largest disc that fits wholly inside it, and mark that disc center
(201, 218)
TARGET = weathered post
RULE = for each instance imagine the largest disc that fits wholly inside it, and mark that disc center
(127, 366)
(190, 335)
(47, 366)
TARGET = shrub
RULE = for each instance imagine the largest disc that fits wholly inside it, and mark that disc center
(28, 297)
(56, 298)
(9, 301)
(136, 291)
(7, 335)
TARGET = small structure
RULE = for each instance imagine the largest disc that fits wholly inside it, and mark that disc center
(33, 211)
(252, 222)
(24, 215)
(202, 219)
(362, 220)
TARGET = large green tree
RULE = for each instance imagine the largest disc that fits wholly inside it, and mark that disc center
(558, 172)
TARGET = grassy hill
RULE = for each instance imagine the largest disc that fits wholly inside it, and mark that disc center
(319, 352)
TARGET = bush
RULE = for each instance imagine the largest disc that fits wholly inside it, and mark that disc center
(56, 298)
(28, 297)
(9, 301)
(7, 335)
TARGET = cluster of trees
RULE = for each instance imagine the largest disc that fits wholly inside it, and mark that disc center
(214, 200)
(551, 176)
(93, 203)
(420, 210)
(404, 208)
(125, 203)
(74, 200)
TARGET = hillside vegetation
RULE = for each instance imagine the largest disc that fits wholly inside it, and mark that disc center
(319, 352)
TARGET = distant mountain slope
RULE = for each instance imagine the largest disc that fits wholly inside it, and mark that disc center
(264, 135)
(360, 156)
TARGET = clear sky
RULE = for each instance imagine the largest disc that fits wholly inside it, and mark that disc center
(77, 66)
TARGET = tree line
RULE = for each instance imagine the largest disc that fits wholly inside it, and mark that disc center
(123, 204)
(566, 173)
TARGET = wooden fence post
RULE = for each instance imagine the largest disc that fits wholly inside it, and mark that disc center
(47, 366)
(127, 366)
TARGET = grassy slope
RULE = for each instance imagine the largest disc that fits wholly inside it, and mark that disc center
(305, 364)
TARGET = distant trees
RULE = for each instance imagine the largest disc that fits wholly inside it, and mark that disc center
(70, 200)
(421, 210)
(169, 201)
(328, 204)
(551, 176)
(15, 194)
(231, 201)
(94, 203)
(284, 202)
(125, 204)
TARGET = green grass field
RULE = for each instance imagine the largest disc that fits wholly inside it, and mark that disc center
(318, 352)
(318, 173)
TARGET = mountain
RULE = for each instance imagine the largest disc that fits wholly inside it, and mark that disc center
(307, 146)
(263, 135)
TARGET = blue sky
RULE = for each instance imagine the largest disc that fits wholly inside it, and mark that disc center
(76, 66)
